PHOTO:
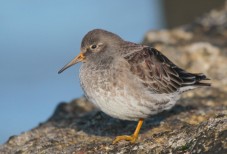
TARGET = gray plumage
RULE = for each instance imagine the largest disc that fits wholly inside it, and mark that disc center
(130, 81)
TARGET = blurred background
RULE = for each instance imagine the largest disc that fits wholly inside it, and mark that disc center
(38, 37)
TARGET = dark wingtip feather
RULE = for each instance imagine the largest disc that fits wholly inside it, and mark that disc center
(202, 84)
(201, 77)
(190, 79)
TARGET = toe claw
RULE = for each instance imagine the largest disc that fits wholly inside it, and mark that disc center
(132, 139)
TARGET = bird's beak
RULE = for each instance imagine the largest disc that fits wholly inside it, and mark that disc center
(77, 59)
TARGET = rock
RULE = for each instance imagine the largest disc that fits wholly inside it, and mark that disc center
(197, 124)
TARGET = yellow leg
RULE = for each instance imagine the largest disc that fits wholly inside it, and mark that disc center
(132, 138)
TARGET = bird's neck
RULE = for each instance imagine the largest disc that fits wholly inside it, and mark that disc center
(103, 62)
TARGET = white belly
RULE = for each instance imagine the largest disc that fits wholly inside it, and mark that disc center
(129, 101)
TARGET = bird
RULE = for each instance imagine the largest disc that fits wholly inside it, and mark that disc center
(130, 81)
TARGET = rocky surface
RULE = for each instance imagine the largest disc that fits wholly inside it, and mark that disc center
(197, 124)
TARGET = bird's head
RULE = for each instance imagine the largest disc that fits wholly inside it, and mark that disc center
(95, 44)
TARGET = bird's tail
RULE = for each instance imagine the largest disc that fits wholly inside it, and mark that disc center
(194, 79)
(201, 77)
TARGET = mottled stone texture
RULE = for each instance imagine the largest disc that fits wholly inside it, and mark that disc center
(197, 124)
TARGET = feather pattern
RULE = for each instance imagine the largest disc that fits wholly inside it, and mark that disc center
(159, 74)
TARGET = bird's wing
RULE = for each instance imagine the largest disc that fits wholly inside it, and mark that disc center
(158, 73)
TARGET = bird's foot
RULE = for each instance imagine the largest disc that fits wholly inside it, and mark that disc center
(132, 138)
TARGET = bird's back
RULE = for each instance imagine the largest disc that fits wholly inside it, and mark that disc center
(158, 73)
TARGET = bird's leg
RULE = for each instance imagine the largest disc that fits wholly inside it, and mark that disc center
(132, 138)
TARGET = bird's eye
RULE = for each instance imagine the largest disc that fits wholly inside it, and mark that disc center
(93, 46)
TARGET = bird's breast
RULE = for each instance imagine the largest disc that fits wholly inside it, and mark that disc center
(105, 83)
(118, 93)
(96, 80)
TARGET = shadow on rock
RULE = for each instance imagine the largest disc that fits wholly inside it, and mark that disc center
(95, 122)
